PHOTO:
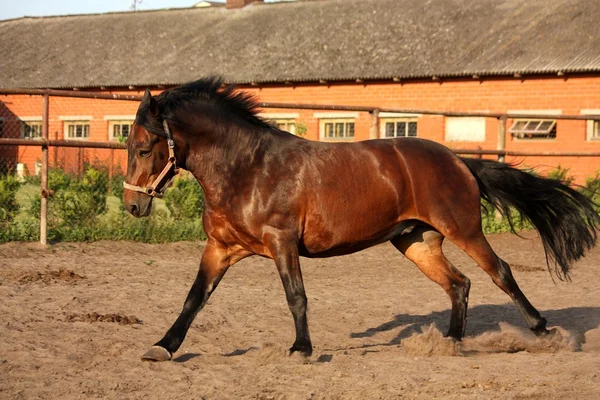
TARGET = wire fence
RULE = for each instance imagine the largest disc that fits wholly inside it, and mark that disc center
(63, 163)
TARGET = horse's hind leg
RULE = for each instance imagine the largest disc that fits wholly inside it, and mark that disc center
(480, 250)
(423, 246)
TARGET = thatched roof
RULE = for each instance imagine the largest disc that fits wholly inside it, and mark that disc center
(303, 41)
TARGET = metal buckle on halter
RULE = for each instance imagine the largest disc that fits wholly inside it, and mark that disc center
(172, 163)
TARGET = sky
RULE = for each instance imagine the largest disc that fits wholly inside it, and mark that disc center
(18, 8)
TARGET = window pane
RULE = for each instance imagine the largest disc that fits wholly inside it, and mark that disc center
(292, 128)
(350, 129)
(389, 129)
(412, 129)
(532, 125)
(125, 130)
(519, 125)
(78, 131)
(596, 131)
(545, 125)
(339, 129)
(401, 129)
(71, 131)
(86, 130)
(329, 129)
(116, 130)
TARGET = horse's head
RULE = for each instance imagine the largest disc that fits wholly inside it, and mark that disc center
(151, 158)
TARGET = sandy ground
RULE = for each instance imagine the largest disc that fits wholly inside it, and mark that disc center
(75, 319)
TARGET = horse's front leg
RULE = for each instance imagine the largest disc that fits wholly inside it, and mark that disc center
(215, 262)
(285, 254)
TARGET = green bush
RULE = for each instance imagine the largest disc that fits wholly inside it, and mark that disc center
(116, 186)
(9, 208)
(94, 185)
(561, 174)
(58, 179)
(78, 210)
(185, 199)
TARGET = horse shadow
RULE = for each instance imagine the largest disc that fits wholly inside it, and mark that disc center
(484, 318)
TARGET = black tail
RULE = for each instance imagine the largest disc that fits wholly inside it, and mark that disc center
(565, 219)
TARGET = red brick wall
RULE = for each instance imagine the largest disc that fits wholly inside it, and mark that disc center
(569, 95)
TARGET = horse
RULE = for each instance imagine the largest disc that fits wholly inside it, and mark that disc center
(280, 196)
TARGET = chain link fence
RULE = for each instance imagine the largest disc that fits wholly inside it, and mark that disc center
(63, 163)
(84, 184)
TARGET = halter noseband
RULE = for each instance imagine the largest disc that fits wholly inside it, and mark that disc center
(156, 189)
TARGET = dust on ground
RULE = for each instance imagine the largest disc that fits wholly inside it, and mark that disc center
(75, 319)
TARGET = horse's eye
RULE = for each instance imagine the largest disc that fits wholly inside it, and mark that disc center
(145, 153)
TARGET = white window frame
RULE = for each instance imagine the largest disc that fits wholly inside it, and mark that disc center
(111, 127)
(385, 118)
(30, 121)
(284, 121)
(68, 123)
(336, 118)
(592, 125)
(524, 114)
(474, 131)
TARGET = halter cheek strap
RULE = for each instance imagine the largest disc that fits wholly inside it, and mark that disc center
(157, 188)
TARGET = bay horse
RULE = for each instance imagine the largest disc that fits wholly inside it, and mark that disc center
(273, 194)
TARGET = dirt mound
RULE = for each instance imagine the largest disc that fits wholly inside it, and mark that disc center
(430, 342)
(62, 275)
(512, 339)
(95, 317)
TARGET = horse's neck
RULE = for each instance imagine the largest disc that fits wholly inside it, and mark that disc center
(220, 161)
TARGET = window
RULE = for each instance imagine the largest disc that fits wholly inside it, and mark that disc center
(533, 129)
(31, 129)
(119, 130)
(398, 127)
(77, 129)
(595, 134)
(593, 124)
(467, 129)
(337, 129)
(288, 125)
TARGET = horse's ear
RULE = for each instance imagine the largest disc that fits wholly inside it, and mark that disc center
(152, 104)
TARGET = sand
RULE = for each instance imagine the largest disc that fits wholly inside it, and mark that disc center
(75, 319)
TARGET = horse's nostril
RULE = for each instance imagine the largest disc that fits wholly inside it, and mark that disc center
(134, 209)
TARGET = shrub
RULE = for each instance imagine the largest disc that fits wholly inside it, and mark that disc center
(58, 179)
(185, 200)
(116, 186)
(9, 208)
(94, 185)
(561, 174)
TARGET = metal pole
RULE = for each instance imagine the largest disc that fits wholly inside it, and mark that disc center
(45, 192)
(502, 137)
(374, 132)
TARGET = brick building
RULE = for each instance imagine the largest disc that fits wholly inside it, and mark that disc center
(516, 56)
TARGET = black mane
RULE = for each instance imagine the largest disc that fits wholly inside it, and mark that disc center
(209, 91)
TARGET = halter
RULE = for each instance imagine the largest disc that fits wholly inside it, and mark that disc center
(156, 189)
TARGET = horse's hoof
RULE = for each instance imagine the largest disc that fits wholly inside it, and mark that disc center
(157, 353)
(304, 350)
(547, 333)
(551, 333)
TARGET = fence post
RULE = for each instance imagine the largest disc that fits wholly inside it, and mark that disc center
(501, 137)
(45, 192)
(374, 131)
